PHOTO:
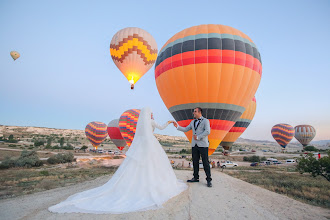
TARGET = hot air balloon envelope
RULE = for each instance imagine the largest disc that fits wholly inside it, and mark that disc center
(215, 67)
(127, 124)
(15, 55)
(96, 132)
(240, 126)
(134, 51)
(115, 135)
(304, 134)
(283, 134)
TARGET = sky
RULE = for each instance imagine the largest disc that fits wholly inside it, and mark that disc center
(65, 77)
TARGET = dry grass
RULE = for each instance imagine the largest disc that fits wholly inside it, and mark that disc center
(20, 181)
(284, 180)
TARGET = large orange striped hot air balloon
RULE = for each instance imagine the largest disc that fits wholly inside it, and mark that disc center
(304, 134)
(127, 124)
(215, 67)
(283, 134)
(115, 135)
(134, 51)
(96, 132)
(240, 126)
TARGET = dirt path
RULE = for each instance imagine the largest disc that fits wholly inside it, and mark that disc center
(229, 198)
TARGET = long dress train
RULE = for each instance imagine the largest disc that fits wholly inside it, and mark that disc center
(145, 179)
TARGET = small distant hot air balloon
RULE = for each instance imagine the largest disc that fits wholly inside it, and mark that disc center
(96, 132)
(115, 135)
(304, 134)
(240, 126)
(15, 55)
(215, 67)
(134, 51)
(127, 124)
(283, 134)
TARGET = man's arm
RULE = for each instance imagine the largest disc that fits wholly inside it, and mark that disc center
(206, 132)
(184, 129)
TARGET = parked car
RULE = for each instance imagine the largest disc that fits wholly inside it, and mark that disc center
(228, 163)
(290, 161)
(277, 162)
(201, 165)
(265, 163)
(255, 164)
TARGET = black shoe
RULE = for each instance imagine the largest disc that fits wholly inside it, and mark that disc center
(193, 180)
(209, 184)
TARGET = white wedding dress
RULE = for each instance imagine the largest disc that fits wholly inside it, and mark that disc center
(145, 179)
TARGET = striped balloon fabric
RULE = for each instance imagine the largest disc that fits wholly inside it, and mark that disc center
(240, 126)
(115, 135)
(127, 124)
(304, 134)
(215, 67)
(96, 132)
(283, 134)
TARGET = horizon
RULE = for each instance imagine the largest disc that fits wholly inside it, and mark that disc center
(65, 77)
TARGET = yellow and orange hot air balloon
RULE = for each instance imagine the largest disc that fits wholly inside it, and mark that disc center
(215, 67)
(134, 51)
(240, 126)
(15, 55)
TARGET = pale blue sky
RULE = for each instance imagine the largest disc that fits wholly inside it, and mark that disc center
(66, 78)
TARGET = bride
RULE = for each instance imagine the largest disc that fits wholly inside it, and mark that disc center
(145, 179)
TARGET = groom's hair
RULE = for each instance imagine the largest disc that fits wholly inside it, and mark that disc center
(200, 109)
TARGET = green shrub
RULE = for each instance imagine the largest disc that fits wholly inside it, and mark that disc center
(61, 158)
(7, 163)
(44, 173)
(38, 143)
(12, 145)
(185, 151)
(28, 159)
(253, 158)
(310, 148)
(83, 147)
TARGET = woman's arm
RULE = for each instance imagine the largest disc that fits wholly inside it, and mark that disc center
(160, 127)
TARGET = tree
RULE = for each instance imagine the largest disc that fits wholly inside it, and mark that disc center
(11, 139)
(316, 167)
(83, 147)
(49, 141)
(62, 142)
(310, 148)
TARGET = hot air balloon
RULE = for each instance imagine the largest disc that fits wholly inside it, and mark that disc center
(115, 135)
(127, 124)
(240, 126)
(304, 134)
(134, 51)
(15, 55)
(283, 134)
(215, 67)
(96, 132)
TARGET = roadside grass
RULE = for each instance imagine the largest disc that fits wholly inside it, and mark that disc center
(20, 181)
(285, 180)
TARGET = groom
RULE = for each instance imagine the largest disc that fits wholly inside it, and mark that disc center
(200, 145)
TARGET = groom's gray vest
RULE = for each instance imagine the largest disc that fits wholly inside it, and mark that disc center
(202, 130)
